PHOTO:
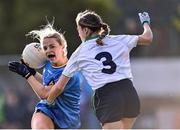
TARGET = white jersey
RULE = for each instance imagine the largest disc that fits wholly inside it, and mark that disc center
(103, 64)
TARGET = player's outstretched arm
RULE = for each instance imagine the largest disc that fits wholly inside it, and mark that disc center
(57, 89)
(147, 36)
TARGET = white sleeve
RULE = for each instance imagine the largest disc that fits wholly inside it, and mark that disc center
(72, 65)
(130, 41)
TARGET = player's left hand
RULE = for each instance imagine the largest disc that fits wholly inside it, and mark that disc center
(144, 18)
(19, 68)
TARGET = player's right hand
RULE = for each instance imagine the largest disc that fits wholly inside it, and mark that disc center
(144, 18)
(31, 70)
(19, 68)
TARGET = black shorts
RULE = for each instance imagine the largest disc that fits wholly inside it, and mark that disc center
(115, 101)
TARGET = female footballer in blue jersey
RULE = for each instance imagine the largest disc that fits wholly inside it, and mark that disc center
(104, 60)
(65, 112)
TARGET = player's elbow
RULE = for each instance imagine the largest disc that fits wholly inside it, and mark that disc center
(148, 40)
(145, 39)
(44, 94)
(59, 89)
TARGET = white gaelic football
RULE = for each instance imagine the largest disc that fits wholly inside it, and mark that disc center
(34, 56)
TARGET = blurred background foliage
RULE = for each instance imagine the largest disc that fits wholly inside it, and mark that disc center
(18, 17)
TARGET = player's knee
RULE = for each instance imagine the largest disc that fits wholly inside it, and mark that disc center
(39, 124)
(40, 121)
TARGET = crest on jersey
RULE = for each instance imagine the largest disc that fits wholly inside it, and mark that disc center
(51, 82)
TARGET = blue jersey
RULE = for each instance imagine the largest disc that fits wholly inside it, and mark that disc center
(66, 111)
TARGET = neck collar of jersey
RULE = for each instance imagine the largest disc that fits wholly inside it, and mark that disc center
(60, 66)
(91, 37)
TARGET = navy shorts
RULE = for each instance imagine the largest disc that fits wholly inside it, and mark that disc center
(115, 101)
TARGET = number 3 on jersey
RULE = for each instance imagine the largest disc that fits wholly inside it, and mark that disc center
(107, 62)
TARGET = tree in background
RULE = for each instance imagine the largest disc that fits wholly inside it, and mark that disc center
(18, 17)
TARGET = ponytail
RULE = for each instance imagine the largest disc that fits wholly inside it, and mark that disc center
(105, 31)
(93, 21)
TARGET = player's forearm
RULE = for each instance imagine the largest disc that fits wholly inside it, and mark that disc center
(147, 36)
(58, 88)
(38, 88)
(38, 77)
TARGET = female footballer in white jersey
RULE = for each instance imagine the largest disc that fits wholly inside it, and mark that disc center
(104, 60)
(65, 113)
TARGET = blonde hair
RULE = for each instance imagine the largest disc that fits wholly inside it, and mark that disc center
(46, 32)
